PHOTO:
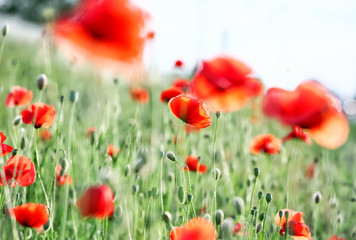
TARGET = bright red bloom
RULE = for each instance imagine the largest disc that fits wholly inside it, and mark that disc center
(45, 135)
(194, 165)
(140, 95)
(4, 148)
(112, 151)
(21, 169)
(106, 29)
(297, 228)
(65, 178)
(237, 228)
(225, 84)
(181, 83)
(97, 202)
(169, 93)
(178, 64)
(266, 143)
(299, 133)
(18, 97)
(90, 130)
(335, 237)
(151, 35)
(311, 106)
(195, 229)
(40, 113)
(31, 215)
(190, 110)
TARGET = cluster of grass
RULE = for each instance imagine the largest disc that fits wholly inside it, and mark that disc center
(141, 175)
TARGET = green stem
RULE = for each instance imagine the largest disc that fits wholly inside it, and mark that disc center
(176, 153)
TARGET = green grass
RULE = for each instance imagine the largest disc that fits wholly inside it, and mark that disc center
(144, 132)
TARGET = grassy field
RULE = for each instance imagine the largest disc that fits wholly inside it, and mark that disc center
(141, 175)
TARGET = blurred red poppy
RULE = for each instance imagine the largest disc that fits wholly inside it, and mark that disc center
(90, 130)
(151, 35)
(140, 95)
(169, 93)
(195, 229)
(45, 135)
(4, 148)
(237, 228)
(310, 171)
(266, 143)
(335, 237)
(97, 202)
(65, 178)
(41, 114)
(19, 168)
(190, 110)
(311, 106)
(107, 29)
(178, 64)
(225, 84)
(18, 97)
(191, 129)
(297, 228)
(31, 215)
(181, 83)
(112, 151)
(194, 165)
(299, 133)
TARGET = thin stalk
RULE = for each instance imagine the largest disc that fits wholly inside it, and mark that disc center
(176, 153)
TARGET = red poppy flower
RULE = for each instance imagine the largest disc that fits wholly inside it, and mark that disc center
(65, 178)
(18, 97)
(140, 95)
(237, 228)
(190, 110)
(225, 84)
(107, 29)
(90, 130)
(297, 228)
(97, 202)
(181, 83)
(112, 151)
(31, 215)
(21, 169)
(196, 228)
(335, 237)
(310, 171)
(311, 106)
(151, 35)
(194, 165)
(299, 133)
(45, 135)
(171, 92)
(4, 148)
(266, 143)
(41, 114)
(178, 64)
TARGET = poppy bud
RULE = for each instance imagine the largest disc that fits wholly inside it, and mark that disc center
(256, 172)
(92, 137)
(135, 188)
(171, 156)
(252, 212)
(64, 164)
(42, 81)
(47, 226)
(286, 213)
(189, 197)
(14, 152)
(116, 81)
(61, 99)
(262, 216)
(73, 96)
(22, 143)
(219, 216)
(317, 197)
(5, 30)
(258, 228)
(154, 192)
(181, 194)
(268, 197)
(217, 174)
(239, 205)
(140, 162)
(17, 120)
(207, 217)
(18, 195)
(170, 176)
(217, 114)
(280, 214)
(4, 208)
(260, 195)
(127, 170)
(167, 217)
(161, 154)
(227, 228)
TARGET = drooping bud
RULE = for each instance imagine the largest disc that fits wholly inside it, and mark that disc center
(14, 152)
(280, 214)
(317, 197)
(219, 216)
(171, 156)
(161, 154)
(167, 217)
(17, 120)
(258, 228)
(227, 228)
(154, 192)
(239, 205)
(47, 226)
(170, 176)
(286, 213)
(61, 99)
(42, 81)
(22, 143)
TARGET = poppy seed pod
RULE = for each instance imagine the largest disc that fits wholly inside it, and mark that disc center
(239, 205)
(5, 30)
(317, 197)
(42, 81)
(227, 228)
(167, 217)
(73, 96)
(219, 216)
(268, 197)
(171, 156)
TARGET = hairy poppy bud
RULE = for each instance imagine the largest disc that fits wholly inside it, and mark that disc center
(219, 216)
(47, 226)
(262, 216)
(61, 99)
(22, 143)
(161, 154)
(217, 174)
(5, 30)
(73, 96)
(207, 217)
(218, 113)
(227, 228)
(181, 194)
(135, 188)
(189, 197)
(256, 172)
(258, 228)
(167, 217)
(170, 176)
(317, 197)
(127, 170)
(252, 212)
(42, 81)
(286, 213)
(260, 195)
(280, 214)
(17, 120)
(14, 152)
(171, 156)
(268, 197)
(239, 205)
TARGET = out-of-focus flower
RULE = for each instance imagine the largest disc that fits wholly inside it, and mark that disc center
(18, 97)
(45, 135)
(97, 202)
(266, 143)
(31, 215)
(169, 93)
(65, 178)
(195, 229)
(19, 168)
(298, 133)
(297, 228)
(225, 84)
(335, 237)
(181, 83)
(40, 114)
(4, 148)
(191, 129)
(90, 130)
(194, 165)
(310, 171)
(237, 228)
(150, 35)
(112, 151)
(311, 106)
(140, 95)
(178, 64)
(190, 110)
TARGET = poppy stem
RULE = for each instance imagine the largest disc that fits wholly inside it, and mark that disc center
(214, 159)
(128, 221)
(161, 184)
(2, 47)
(176, 153)
(264, 221)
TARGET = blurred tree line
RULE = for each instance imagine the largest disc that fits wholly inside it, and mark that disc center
(36, 10)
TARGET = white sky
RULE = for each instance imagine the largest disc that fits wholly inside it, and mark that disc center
(284, 41)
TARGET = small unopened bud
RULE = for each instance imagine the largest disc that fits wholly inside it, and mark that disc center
(260, 195)
(139, 163)
(17, 120)
(286, 214)
(189, 197)
(170, 176)
(14, 152)
(42, 81)
(61, 99)
(216, 173)
(171, 156)
(217, 114)
(280, 214)
(207, 217)
(256, 172)
(227, 228)
(161, 154)
(252, 212)
(167, 217)
(73, 96)
(258, 228)
(268, 197)
(239, 205)
(47, 226)
(219, 217)
(262, 216)
(127, 170)
(154, 192)
(4, 208)
(5, 30)
(22, 143)
(135, 189)
(181, 194)
(317, 197)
